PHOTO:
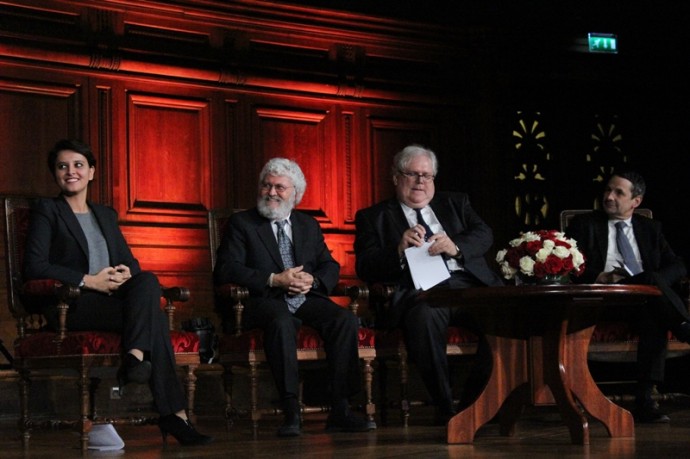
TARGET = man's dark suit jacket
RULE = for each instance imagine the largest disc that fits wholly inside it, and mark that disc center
(591, 233)
(248, 254)
(380, 228)
(56, 246)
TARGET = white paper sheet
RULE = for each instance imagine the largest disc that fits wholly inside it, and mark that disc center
(104, 437)
(426, 270)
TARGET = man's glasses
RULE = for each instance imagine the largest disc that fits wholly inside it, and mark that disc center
(417, 176)
(279, 188)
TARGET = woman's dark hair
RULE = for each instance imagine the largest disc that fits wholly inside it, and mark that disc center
(74, 145)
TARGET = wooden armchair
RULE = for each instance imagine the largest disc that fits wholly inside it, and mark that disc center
(390, 346)
(244, 348)
(38, 350)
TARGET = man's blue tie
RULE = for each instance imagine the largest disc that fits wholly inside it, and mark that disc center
(626, 249)
(420, 220)
(286, 253)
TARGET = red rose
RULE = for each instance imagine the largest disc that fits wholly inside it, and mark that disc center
(553, 265)
(532, 247)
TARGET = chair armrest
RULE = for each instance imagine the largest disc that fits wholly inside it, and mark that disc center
(381, 294)
(171, 295)
(34, 292)
(50, 287)
(234, 295)
(380, 297)
(357, 294)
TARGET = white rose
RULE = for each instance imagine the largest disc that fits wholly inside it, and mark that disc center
(507, 271)
(578, 259)
(526, 265)
(501, 255)
(548, 244)
(543, 254)
(530, 236)
(561, 252)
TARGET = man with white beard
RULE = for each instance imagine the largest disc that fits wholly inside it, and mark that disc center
(280, 255)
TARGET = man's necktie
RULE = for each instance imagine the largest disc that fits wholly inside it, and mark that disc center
(626, 249)
(286, 253)
(420, 220)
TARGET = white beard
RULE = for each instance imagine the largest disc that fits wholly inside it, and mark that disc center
(275, 213)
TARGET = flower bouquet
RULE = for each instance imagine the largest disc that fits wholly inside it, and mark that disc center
(541, 256)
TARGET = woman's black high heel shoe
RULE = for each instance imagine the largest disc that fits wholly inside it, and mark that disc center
(183, 431)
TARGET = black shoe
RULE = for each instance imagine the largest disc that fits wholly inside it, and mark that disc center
(133, 370)
(649, 413)
(183, 431)
(293, 423)
(346, 423)
(682, 332)
(290, 428)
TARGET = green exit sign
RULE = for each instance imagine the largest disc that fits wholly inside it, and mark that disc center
(602, 43)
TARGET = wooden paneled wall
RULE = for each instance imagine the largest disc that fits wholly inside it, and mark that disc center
(184, 104)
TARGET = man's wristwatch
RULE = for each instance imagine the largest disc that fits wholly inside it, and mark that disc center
(82, 283)
(315, 284)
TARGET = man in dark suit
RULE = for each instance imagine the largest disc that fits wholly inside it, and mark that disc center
(651, 261)
(458, 234)
(280, 255)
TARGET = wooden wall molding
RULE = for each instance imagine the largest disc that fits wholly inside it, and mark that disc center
(32, 111)
(168, 158)
(246, 43)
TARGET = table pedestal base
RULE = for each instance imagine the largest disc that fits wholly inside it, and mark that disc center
(565, 372)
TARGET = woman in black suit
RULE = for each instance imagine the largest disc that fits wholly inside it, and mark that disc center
(78, 242)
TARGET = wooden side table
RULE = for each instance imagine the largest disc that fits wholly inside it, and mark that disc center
(562, 317)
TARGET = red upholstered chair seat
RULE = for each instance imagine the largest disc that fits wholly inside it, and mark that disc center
(43, 344)
(611, 332)
(390, 339)
(459, 335)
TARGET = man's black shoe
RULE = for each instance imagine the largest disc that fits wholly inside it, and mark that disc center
(292, 425)
(289, 429)
(650, 414)
(346, 423)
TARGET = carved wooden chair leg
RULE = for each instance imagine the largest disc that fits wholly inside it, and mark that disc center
(254, 401)
(94, 383)
(382, 376)
(230, 410)
(300, 400)
(369, 407)
(190, 386)
(24, 420)
(85, 391)
(404, 401)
